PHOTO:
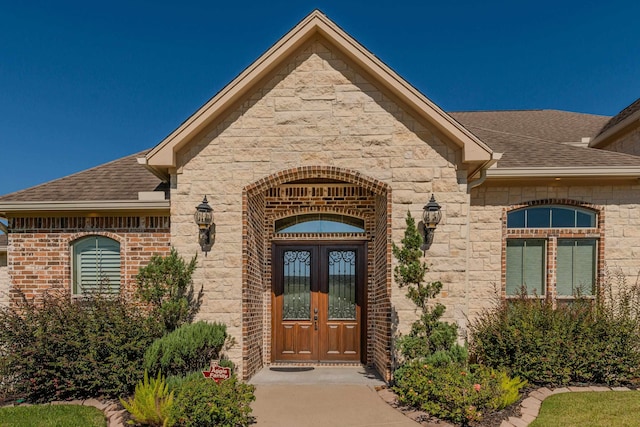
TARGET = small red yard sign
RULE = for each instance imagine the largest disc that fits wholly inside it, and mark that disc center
(217, 372)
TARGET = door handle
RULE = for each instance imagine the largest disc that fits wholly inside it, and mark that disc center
(315, 319)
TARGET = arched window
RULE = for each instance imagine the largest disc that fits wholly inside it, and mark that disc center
(96, 265)
(552, 250)
(319, 223)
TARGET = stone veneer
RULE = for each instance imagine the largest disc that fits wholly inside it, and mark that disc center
(618, 231)
(40, 248)
(316, 111)
(629, 143)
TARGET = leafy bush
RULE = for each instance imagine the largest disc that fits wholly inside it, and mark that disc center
(430, 339)
(201, 402)
(454, 392)
(62, 348)
(581, 342)
(188, 348)
(151, 402)
(165, 283)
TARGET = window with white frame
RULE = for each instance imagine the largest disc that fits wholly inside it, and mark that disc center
(551, 249)
(96, 265)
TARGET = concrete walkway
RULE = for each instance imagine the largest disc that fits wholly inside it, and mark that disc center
(322, 396)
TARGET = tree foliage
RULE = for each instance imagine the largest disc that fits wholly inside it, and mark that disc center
(166, 284)
(429, 336)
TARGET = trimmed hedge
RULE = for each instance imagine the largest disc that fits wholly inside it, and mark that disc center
(189, 348)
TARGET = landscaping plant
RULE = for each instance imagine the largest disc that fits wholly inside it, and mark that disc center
(189, 348)
(151, 402)
(166, 285)
(61, 348)
(201, 402)
(430, 339)
(435, 375)
(586, 341)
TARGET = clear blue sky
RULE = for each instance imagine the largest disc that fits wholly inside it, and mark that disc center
(86, 82)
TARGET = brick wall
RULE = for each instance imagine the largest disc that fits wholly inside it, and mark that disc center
(40, 249)
(4, 280)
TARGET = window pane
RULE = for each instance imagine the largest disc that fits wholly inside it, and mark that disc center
(96, 265)
(525, 266)
(515, 219)
(576, 266)
(562, 217)
(342, 285)
(320, 223)
(538, 217)
(551, 216)
(297, 285)
(586, 219)
(515, 249)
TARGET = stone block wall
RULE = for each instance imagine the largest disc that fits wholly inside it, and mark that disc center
(40, 249)
(629, 143)
(317, 110)
(619, 230)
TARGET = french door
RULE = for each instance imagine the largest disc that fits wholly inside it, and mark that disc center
(318, 301)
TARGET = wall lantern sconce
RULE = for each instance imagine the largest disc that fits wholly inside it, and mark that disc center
(204, 219)
(431, 217)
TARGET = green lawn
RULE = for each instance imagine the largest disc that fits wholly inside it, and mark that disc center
(52, 416)
(590, 409)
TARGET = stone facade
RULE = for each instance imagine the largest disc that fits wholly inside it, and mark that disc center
(40, 249)
(316, 112)
(618, 231)
(628, 143)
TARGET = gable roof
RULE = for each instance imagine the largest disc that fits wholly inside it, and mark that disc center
(115, 184)
(625, 119)
(162, 156)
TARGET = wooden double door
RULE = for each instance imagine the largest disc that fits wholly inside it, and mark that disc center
(318, 301)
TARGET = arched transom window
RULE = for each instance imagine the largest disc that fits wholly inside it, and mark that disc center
(552, 250)
(319, 223)
(96, 265)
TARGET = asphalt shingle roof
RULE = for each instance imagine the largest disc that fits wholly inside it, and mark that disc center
(120, 179)
(542, 138)
(531, 138)
(635, 106)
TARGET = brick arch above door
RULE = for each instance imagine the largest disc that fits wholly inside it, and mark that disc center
(314, 189)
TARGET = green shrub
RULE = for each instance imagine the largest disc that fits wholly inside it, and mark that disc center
(151, 402)
(454, 392)
(189, 348)
(62, 348)
(201, 402)
(429, 339)
(166, 284)
(581, 342)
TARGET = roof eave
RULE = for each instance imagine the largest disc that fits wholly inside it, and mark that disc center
(565, 172)
(606, 137)
(163, 155)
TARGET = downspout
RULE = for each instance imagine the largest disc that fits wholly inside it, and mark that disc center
(483, 172)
